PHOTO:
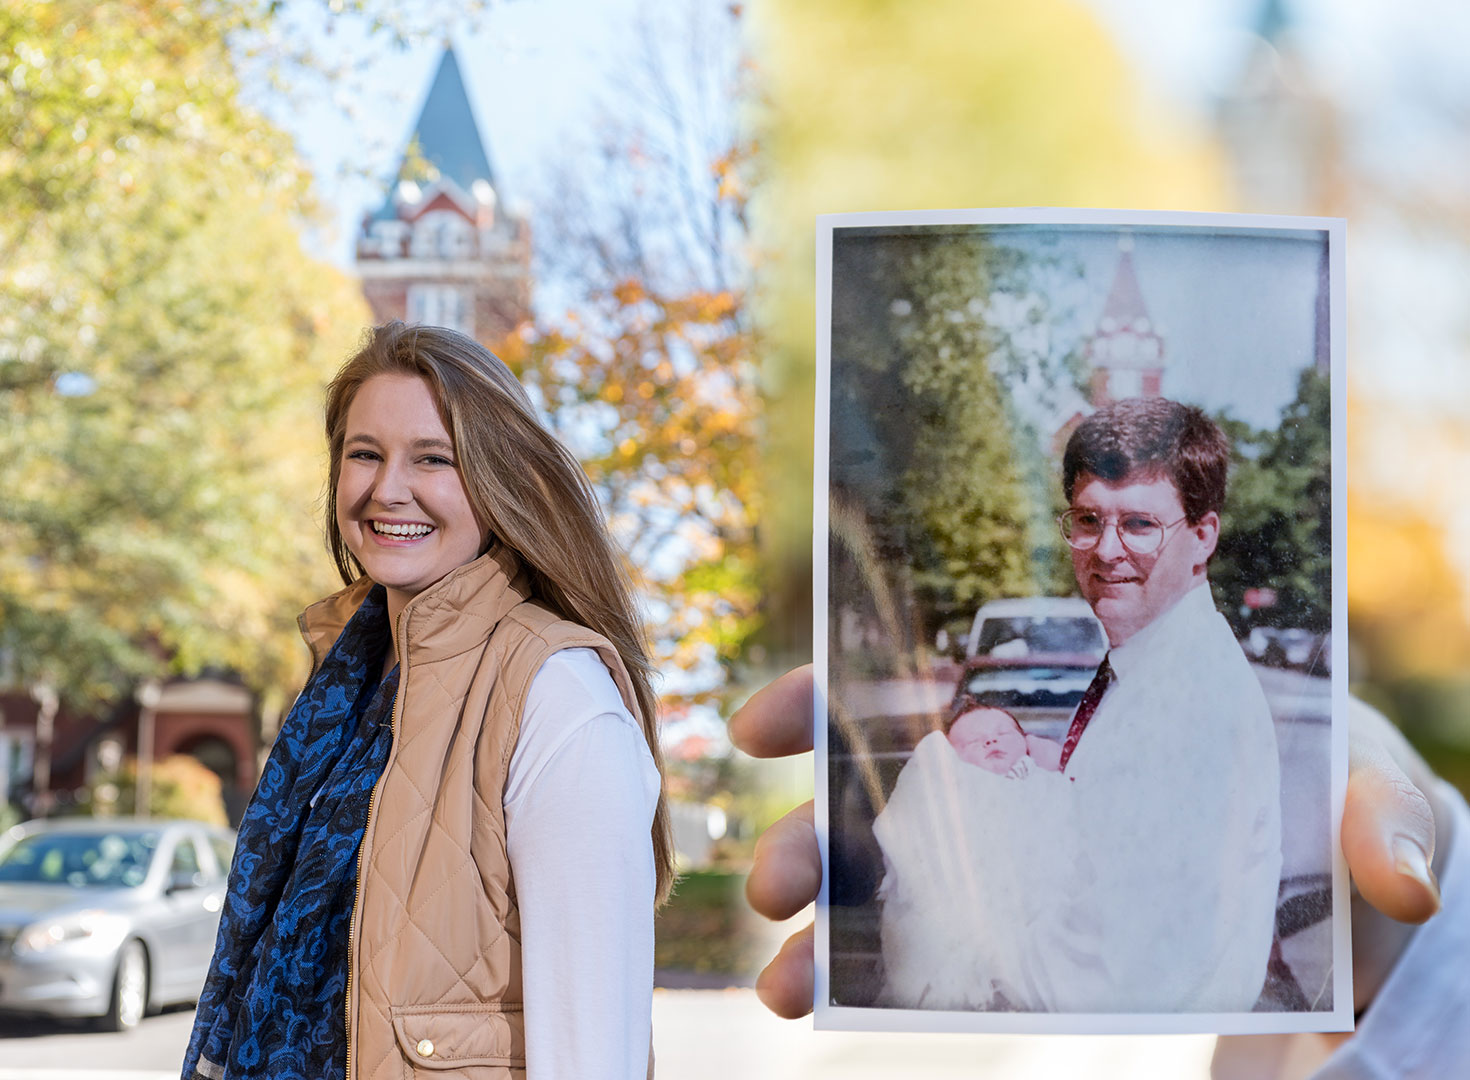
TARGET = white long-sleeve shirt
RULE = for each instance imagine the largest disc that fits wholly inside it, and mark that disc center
(1179, 819)
(579, 801)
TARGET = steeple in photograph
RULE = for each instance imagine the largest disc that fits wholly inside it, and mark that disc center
(1126, 350)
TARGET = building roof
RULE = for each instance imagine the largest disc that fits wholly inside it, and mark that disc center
(446, 142)
(1125, 300)
(1125, 337)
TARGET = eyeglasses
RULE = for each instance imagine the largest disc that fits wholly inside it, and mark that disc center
(1140, 533)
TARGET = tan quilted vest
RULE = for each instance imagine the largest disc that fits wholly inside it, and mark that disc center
(434, 977)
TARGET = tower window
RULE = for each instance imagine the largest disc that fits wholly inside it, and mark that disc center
(388, 235)
(443, 234)
(449, 306)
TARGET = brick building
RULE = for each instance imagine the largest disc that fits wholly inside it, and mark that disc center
(49, 752)
(443, 249)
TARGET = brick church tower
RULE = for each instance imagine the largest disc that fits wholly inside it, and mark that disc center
(442, 249)
(1126, 352)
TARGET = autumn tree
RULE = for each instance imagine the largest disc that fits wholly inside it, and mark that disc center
(180, 786)
(929, 442)
(649, 372)
(163, 346)
(1276, 527)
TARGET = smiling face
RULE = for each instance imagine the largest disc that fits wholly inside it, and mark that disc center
(1128, 591)
(401, 504)
(990, 738)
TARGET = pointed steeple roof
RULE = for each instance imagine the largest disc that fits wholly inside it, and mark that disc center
(1125, 301)
(446, 142)
(448, 137)
(1126, 338)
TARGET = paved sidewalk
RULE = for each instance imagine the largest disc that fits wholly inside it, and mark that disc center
(728, 1035)
(698, 1035)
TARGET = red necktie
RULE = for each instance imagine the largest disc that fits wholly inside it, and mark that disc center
(1085, 708)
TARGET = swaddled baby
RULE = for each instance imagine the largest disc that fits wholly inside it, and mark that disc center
(974, 840)
(992, 739)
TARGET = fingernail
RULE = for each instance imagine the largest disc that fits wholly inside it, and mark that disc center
(1411, 860)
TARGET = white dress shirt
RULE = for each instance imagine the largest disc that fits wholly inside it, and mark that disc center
(1179, 821)
(579, 802)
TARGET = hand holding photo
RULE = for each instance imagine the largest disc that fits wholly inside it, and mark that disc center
(1078, 588)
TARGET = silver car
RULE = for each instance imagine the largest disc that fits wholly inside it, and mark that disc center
(108, 918)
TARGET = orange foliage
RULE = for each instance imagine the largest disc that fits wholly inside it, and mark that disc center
(629, 292)
(1408, 605)
(675, 461)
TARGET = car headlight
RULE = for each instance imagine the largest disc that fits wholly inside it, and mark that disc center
(41, 936)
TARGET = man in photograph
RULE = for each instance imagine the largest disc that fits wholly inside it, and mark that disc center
(1172, 752)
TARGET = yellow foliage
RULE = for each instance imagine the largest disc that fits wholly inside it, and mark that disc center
(179, 787)
(161, 518)
(1407, 598)
(1407, 603)
(657, 353)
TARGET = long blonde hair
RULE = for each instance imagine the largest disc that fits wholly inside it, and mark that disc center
(526, 487)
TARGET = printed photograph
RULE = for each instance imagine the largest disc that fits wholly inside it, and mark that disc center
(1079, 625)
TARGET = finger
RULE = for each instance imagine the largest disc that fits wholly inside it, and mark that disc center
(777, 720)
(787, 871)
(785, 986)
(1387, 822)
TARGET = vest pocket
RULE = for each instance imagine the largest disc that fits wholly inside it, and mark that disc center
(456, 1036)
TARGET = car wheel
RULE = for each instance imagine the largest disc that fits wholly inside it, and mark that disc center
(129, 989)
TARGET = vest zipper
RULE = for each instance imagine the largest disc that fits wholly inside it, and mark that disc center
(366, 831)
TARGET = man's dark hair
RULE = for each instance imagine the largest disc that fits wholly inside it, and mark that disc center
(1153, 436)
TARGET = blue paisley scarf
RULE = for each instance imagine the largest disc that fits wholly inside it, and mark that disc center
(273, 1005)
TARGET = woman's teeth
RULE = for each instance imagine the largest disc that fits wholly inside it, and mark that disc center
(402, 531)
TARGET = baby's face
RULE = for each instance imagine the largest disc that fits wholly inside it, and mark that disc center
(989, 738)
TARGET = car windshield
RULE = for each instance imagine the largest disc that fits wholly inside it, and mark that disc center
(100, 858)
(1027, 634)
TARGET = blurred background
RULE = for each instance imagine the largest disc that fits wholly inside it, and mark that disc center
(203, 203)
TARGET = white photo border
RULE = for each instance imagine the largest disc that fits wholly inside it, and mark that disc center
(854, 1018)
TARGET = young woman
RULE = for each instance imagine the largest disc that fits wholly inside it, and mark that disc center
(453, 856)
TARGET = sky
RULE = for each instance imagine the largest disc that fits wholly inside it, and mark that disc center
(1235, 312)
(1236, 309)
(1368, 51)
(538, 72)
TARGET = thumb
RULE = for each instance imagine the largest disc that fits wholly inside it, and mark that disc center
(1387, 822)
